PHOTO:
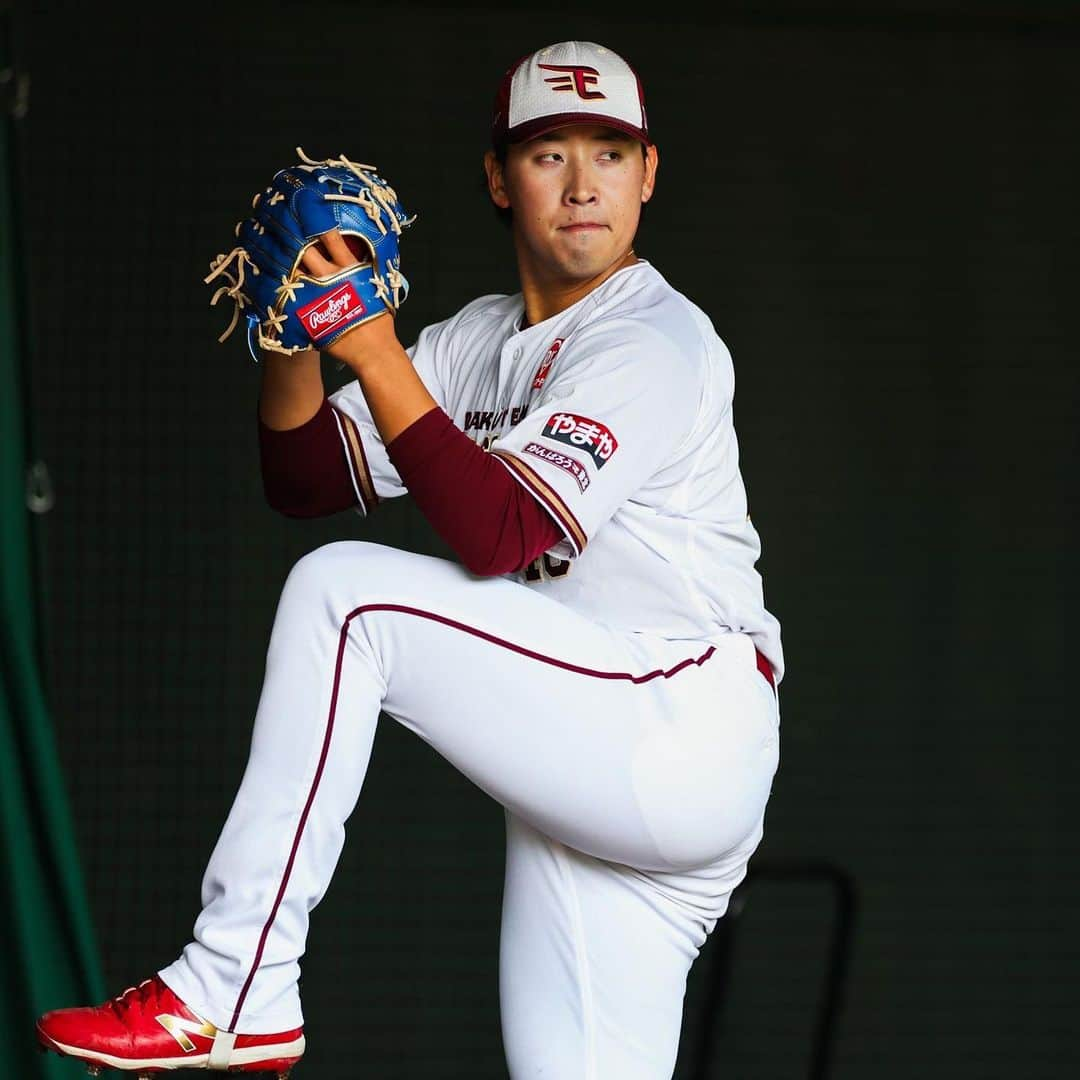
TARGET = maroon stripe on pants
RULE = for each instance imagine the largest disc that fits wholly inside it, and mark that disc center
(343, 638)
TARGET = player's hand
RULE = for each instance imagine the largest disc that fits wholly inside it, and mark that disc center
(332, 254)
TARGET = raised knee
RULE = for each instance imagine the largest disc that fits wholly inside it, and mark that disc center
(330, 557)
(357, 566)
(345, 574)
(317, 571)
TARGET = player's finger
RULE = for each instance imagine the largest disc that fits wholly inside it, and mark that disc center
(316, 263)
(339, 250)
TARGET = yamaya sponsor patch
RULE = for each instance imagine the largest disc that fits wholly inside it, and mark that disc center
(561, 461)
(331, 311)
(586, 434)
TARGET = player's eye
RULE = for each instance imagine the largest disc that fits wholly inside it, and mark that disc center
(549, 155)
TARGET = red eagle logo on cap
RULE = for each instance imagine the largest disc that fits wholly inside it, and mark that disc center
(574, 77)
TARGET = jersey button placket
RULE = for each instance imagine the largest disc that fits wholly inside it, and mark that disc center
(508, 357)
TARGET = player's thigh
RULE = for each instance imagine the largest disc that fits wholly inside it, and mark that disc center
(593, 964)
(624, 746)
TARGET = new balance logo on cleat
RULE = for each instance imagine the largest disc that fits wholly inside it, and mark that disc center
(178, 1028)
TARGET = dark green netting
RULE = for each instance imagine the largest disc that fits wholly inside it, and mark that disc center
(50, 956)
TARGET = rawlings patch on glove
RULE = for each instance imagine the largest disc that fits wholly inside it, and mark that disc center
(286, 307)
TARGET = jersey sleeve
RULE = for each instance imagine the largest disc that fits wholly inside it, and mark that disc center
(373, 474)
(603, 427)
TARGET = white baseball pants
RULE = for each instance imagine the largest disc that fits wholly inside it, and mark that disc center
(634, 772)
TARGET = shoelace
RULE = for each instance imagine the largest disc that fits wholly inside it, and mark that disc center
(134, 997)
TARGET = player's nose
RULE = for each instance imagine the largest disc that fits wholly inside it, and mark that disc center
(580, 188)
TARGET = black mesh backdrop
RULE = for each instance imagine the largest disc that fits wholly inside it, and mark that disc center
(880, 219)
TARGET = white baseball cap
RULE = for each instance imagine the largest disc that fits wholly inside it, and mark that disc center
(571, 82)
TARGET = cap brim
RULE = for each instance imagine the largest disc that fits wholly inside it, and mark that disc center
(542, 125)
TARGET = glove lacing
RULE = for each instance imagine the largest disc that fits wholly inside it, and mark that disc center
(375, 201)
(381, 193)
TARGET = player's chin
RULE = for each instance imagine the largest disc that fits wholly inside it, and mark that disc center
(586, 257)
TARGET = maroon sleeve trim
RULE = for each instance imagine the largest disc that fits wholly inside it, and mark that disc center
(547, 496)
(359, 471)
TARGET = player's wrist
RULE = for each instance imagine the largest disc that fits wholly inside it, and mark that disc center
(367, 344)
(301, 360)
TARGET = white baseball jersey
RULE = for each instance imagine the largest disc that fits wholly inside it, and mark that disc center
(613, 704)
(617, 415)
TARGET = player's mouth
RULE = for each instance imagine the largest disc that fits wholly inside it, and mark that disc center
(582, 227)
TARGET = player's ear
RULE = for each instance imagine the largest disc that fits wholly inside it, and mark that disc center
(648, 181)
(496, 180)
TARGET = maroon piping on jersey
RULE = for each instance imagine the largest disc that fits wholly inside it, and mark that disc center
(343, 637)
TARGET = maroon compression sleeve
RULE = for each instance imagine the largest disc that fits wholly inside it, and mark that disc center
(304, 469)
(493, 523)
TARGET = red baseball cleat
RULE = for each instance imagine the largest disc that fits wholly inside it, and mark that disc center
(148, 1029)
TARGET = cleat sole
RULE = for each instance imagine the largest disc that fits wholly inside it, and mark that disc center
(95, 1062)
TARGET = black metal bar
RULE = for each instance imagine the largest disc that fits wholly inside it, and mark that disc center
(835, 980)
(711, 1027)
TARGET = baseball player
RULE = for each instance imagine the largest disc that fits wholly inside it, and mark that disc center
(600, 661)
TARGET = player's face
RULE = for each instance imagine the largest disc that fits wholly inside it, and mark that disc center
(576, 194)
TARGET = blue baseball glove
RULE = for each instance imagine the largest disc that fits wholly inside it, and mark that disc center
(287, 308)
